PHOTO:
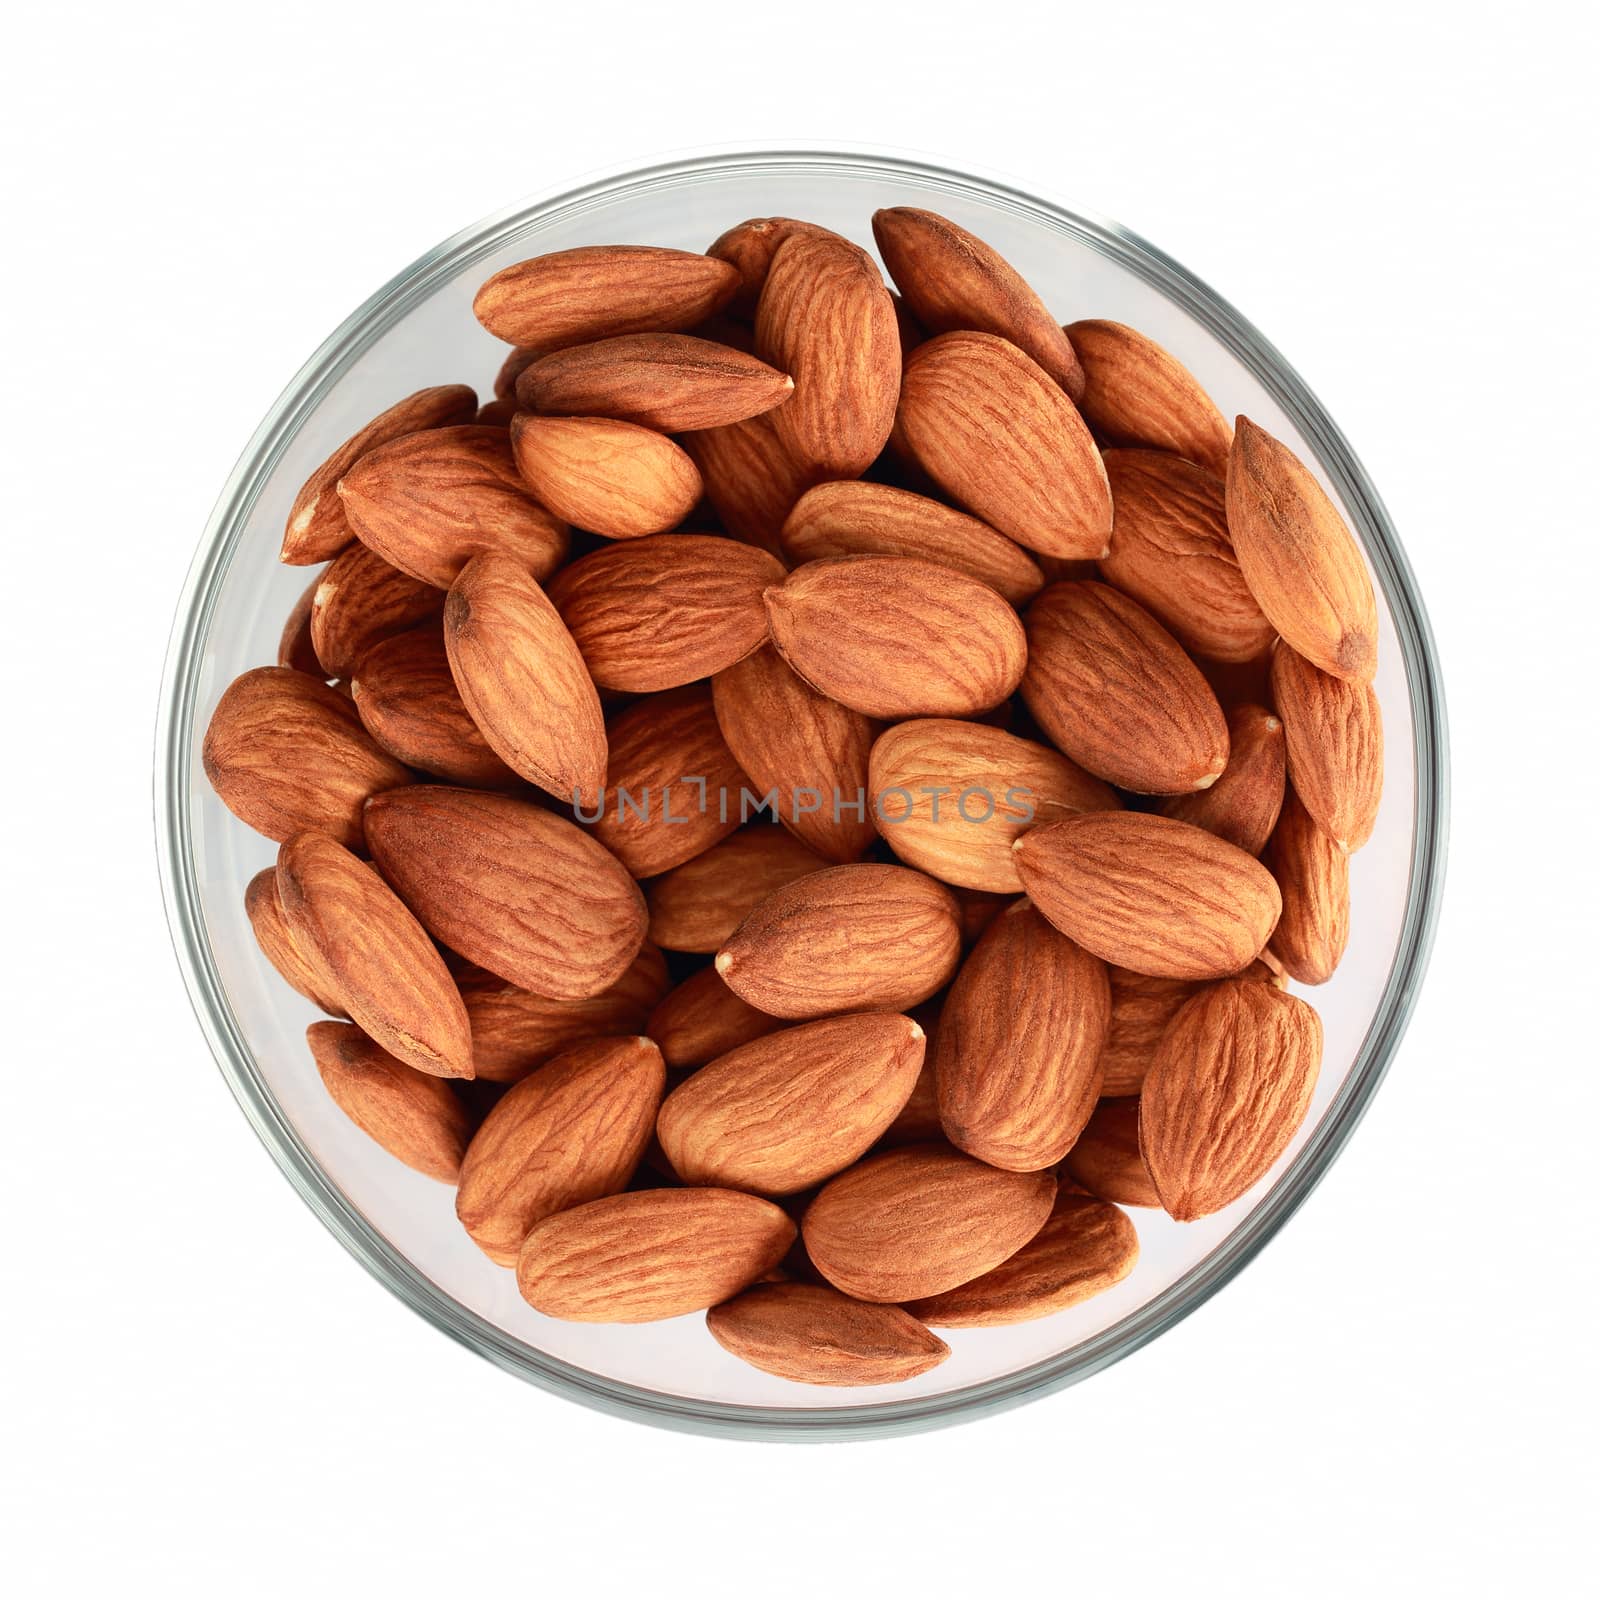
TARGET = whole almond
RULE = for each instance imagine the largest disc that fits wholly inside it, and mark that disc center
(523, 680)
(952, 280)
(658, 612)
(317, 528)
(570, 1132)
(615, 479)
(1171, 553)
(809, 1333)
(523, 893)
(1137, 393)
(1313, 874)
(430, 502)
(1115, 692)
(951, 797)
(361, 601)
(697, 906)
(300, 972)
(294, 643)
(876, 519)
(1165, 898)
(703, 1019)
(392, 981)
(1231, 1084)
(1242, 805)
(1300, 560)
(840, 1082)
(749, 248)
(1020, 1037)
(286, 753)
(750, 478)
(415, 1116)
(997, 434)
(650, 1255)
(892, 636)
(600, 291)
(1141, 1008)
(914, 1222)
(1106, 1158)
(845, 938)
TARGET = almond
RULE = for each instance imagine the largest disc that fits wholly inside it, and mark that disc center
(317, 529)
(1115, 692)
(1242, 805)
(697, 906)
(951, 797)
(1084, 1248)
(613, 478)
(703, 1019)
(600, 291)
(1313, 874)
(1106, 1158)
(415, 1116)
(875, 519)
(651, 1255)
(294, 644)
(1172, 554)
(570, 1132)
(667, 381)
(952, 280)
(1162, 897)
(749, 248)
(392, 981)
(525, 894)
(809, 1333)
(993, 430)
(826, 319)
(783, 1112)
(1334, 734)
(843, 939)
(750, 478)
(523, 680)
(361, 601)
(430, 502)
(286, 753)
(1230, 1086)
(892, 636)
(659, 612)
(277, 944)
(1136, 393)
(1141, 1008)
(1297, 555)
(914, 1222)
(806, 751)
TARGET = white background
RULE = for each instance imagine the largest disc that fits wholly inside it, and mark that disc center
(204, 1394)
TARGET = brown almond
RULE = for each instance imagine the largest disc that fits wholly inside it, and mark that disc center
(702, 1019)
(749, 248)
(361, 601)
(294, 643)
(1313, 874)
(1141, 1008)
(697, 906)
(750, 478)
(1242, 806)
(1106, 1158)
(299, 971)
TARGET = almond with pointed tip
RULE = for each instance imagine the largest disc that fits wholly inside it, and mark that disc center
(697, 906)
(1106, 1158)
(1242, 806)
(300, 971)
(750, 478)
(749, 248)
(361, 601)
(1313, 874)
(703, 1018)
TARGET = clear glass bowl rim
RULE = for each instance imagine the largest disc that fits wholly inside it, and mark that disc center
(181, 891)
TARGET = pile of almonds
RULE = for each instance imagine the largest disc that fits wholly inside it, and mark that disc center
(1060, 690)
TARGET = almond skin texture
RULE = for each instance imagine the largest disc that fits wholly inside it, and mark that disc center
(615, 479)
(697, 906)
(523, 893)
(826, 319)
(317, 529)
(1115, 692)
(1162, 897)
(750, 246)
(808, 748)
(416, 1117)
(1085, 1248)
(703, 1019)
(361, 601)
(1141, 1008)
(845, 938)
(1172, 554)
(951, 797)
(651, 1255)
(667, 381)
(750, 478)
(892, 636)
(1300, 560)
(523, 680)
(1019, 1044)
(1106, 1158)
(294, 644)
(915, 1222)
(1242, 806)
(782, 1113)
(1313, 874)
(601, 291)
(286, 753)
(571, 1132)
(1231, 1084)
(1136, 393)
(952, 280)
(809, 1333)
(997, 434)
(876, 519)
(393, 982)
(430, 502)
(278, 946)
(659, 612)
(1334, 734)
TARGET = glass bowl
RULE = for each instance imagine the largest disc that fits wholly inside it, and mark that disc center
(419, 330)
